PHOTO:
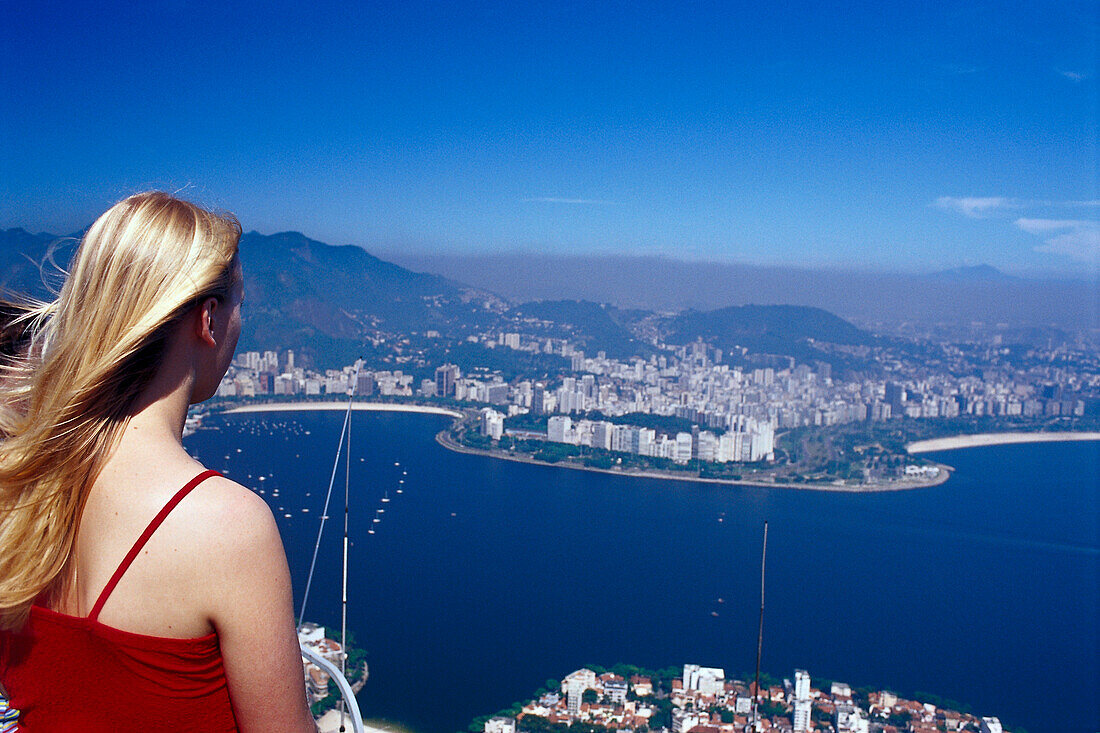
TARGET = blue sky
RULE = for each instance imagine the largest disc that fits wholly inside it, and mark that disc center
(881, 136)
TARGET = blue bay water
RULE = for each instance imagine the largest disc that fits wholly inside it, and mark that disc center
(484, 577)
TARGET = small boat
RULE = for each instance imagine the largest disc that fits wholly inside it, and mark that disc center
(376, 520)
(386, 498)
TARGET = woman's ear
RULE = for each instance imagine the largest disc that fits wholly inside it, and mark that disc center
(205, 326)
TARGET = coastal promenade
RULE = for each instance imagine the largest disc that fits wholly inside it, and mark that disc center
(984, 439)
(341, 406)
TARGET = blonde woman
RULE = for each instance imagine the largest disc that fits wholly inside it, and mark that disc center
(138, 592)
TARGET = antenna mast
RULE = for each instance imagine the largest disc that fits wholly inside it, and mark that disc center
(760, 635)
(328, 495)
(344, 582)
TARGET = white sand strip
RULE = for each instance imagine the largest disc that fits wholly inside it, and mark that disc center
(341, 406)
(983, 439)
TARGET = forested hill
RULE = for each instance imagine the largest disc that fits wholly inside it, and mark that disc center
(594, 326)
(768, 328)
(300, 289)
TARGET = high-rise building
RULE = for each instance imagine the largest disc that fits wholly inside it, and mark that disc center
(574, 686)
(445, 378)
(492, 423)
(538, 399)
(601, 435)
(559, 429)
(684, 445)
(895, 397)
(802, 705)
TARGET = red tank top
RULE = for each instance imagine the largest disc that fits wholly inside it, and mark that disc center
(66, 673)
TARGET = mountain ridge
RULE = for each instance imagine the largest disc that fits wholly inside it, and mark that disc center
(331, 301)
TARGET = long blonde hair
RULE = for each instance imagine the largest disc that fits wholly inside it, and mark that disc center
(82, 362)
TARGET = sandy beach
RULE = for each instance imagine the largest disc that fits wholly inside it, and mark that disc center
(983, 439)
(341, 406)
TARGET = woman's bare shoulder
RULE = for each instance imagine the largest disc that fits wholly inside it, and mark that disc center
(227, 516)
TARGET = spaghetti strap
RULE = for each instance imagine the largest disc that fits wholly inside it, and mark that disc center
(157, 520)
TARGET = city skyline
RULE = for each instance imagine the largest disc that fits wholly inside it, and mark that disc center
(905, 138)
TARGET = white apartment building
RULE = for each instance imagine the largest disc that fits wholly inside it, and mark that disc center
(500, 724)
(802, 705)
(709, 681)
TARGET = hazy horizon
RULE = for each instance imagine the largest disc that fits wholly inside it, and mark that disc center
(666, 284)
(977, 294)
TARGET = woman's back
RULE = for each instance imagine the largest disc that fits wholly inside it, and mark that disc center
(92, 409)
(164, 592)
(62, 668)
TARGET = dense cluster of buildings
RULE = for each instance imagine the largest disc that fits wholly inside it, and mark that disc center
(704, 701)
(749, 441)
(737, 409)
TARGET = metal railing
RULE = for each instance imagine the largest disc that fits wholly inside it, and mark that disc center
(342, 683)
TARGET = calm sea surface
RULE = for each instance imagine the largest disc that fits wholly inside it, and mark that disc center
(484, 578)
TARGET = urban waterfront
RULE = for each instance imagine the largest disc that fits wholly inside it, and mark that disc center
(484, 578)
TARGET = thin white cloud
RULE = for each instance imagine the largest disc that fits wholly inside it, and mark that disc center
(556, 200)
(1074, 76)
(980, 207)
(1077, 239)
(975, 207)
(1042, 226)
(1083, 246)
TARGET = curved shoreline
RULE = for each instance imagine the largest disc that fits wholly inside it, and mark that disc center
(956, 442)
(980, 440)
(945, 473)
(341, 406)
